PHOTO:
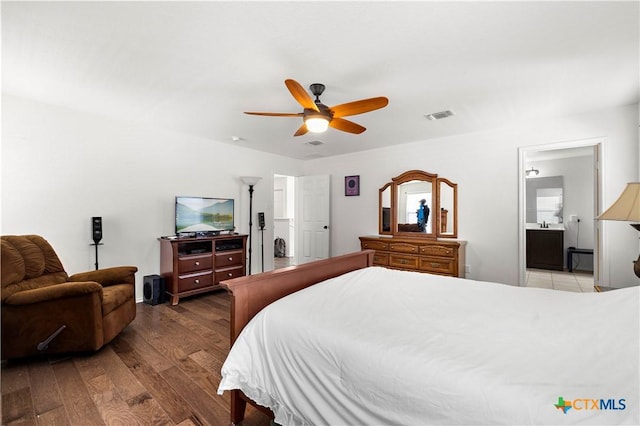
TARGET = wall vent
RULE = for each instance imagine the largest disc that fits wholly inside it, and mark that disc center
(439, 115)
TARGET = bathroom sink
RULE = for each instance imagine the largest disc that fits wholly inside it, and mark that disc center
(551, 226)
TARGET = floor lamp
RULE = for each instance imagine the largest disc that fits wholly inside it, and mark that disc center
(627, 208)
(251, 181)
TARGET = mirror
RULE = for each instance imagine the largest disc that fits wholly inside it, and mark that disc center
(415, 204)
(418, 204)
(545, 200)
(385, 209)
(448, 196)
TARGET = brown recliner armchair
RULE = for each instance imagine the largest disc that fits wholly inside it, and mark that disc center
(45, 311)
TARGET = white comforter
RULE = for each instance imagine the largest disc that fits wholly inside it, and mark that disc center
(378, 347)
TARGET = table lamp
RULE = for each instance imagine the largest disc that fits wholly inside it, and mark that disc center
(627, 208)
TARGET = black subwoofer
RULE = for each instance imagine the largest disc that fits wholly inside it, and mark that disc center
(153, 289)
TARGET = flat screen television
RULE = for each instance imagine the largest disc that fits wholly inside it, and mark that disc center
(203, 214)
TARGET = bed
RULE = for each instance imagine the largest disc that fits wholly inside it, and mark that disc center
(353, 343)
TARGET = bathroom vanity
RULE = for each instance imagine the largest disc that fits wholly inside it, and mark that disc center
(545, 248)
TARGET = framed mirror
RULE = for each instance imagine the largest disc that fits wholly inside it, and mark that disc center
(414, 196)
(385, 209)
(419, 204)
(448, 204)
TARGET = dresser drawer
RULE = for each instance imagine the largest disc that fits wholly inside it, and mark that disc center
(374, 245)
(231, 258)
(193, 281)
(438, 266)
(381, 259)
(194, 263)
(404, 248)
(228, 273)
(436, 250)
(403, 261)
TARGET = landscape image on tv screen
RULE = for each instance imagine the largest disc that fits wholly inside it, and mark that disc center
(198, 214)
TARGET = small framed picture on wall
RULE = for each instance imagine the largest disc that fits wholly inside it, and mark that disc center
(351, 185)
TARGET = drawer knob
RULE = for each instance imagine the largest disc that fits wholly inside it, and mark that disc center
(230, 258)
(197, 263)
(230, 274)
(197, 281)
(435, 265)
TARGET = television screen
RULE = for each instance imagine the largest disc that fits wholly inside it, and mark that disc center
(201, 214)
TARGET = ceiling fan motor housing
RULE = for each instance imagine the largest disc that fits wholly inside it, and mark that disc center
(324, 112)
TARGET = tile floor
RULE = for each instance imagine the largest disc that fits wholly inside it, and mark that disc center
(577, 281)
(281, 262)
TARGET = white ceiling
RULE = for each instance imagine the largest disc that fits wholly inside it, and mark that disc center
(195, 67)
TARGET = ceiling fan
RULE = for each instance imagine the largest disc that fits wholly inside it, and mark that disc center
(318, 117)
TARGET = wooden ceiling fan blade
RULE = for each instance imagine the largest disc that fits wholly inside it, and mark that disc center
(277, 114)
(300, 95)
(301, 130)
(359, 107)
(346, 125)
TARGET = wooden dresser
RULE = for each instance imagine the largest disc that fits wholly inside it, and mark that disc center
(197, 265)
(443, 257)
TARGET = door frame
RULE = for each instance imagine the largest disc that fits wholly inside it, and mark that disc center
(598, 185)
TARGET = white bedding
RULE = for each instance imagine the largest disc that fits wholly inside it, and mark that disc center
(379, 347)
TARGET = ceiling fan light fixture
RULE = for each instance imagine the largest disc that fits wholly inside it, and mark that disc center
(532, 172)
(316, 123)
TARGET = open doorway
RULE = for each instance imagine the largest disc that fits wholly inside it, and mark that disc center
(559, 237)
(301, 207)
(284, 211)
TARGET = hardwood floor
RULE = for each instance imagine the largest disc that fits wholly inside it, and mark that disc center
(163, 369)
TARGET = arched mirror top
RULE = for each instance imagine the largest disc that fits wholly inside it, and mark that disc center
(419, 204)
(412, 175)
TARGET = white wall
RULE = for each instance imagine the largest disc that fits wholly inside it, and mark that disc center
(485, 167)
(61, 167)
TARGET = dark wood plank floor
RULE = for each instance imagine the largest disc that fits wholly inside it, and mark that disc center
(163, 369)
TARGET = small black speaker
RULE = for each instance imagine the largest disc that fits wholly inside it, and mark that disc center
(96, 229)
(153, 289)
(261, 220)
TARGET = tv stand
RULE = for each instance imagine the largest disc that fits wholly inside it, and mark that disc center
(195, 265)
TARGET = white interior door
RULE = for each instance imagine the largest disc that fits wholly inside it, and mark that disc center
(312, 229)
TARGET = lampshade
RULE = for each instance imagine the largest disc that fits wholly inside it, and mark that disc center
(316, 123)
(250, 180)
(627, 206)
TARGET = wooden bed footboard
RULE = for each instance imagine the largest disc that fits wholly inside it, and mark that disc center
(251, 293)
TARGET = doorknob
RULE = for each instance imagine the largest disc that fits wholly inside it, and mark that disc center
(326, 227)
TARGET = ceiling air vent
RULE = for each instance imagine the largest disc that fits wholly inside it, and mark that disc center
(439, 115)
(315, 143)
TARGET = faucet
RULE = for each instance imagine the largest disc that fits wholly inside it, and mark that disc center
(544, 224)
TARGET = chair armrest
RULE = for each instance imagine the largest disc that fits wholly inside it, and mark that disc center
(53, 292)
(108, 276)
